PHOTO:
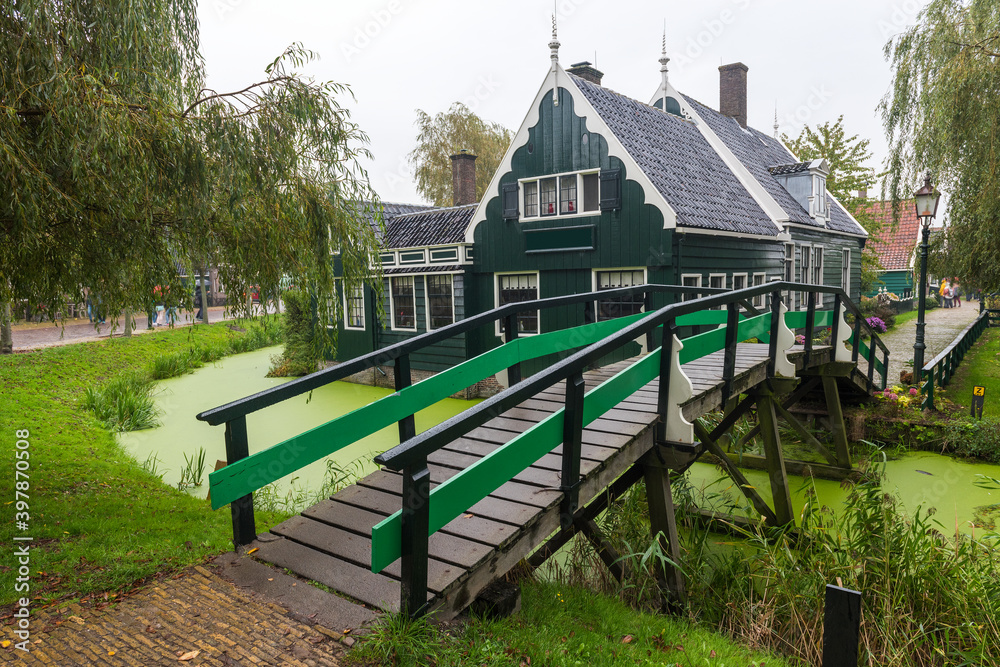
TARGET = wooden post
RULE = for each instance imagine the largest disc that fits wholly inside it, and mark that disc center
(244, 531)
(663, 391)
(663, 526)
(510, 334)
(810, 325)
(402, 380)
(841, 627)
(415, 526)
(772, 343)
(572, 445)
(775, 459)
(836, 412)
(729, 355)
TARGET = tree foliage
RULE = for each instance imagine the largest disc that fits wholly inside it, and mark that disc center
(848, 157)
(299, 356)
(118, 166)
(442, 136)
(941, 115)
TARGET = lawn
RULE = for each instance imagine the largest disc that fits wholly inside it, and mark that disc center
(98, 521)
(559, 625)
(980, 367)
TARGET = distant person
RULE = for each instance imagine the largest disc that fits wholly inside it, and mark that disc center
(944, 291)
(956, 293)
(197, 304)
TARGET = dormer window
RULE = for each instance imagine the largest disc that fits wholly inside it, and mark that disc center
(806, 182)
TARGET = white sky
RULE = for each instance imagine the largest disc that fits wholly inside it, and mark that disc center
(817, 60)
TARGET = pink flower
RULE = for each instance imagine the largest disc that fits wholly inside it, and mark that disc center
(913, 391)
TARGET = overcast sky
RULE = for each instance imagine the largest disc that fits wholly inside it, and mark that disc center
(815, 60)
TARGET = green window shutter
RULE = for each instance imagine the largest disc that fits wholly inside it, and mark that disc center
(510, 211)
(611, 189)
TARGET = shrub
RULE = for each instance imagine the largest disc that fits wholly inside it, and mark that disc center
(301, 355)
(877, 324)
(124, 403)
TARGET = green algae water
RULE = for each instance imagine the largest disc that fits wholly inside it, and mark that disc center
(921, 479)
(180, 399)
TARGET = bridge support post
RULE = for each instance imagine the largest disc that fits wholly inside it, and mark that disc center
(237, 447)
(572, 446)
(663, 526)
(775, 458)
(414, 539)
(836, 412)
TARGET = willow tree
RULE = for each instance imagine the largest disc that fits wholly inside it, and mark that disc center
(443, 135)
(118, 167)
(849, 158)
(942, 115)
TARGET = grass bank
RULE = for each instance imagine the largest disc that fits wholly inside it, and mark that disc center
(99, 521)
(558, 625)
(980, 367)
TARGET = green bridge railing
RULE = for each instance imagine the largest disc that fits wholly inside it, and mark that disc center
(405, 534)
(940, 369)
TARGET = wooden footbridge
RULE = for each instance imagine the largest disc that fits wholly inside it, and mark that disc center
(513, 478)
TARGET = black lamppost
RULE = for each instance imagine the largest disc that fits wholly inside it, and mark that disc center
(926, 201)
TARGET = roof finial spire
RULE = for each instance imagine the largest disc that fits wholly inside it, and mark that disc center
(664, 86)
(775, 118)
(554, 44)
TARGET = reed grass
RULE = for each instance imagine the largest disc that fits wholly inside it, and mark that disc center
(931, 595)
(123, 403)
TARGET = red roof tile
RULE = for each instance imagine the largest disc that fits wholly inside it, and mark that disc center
(895, 242)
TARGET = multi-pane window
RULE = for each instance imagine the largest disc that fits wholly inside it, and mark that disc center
(805, 252)
(515, 289)
(548, 196)
(440, 304)
(789, 274)
(817, 268)
(758, 280)
(845, 271)
(691, 280)
(354, 298)
(404, 313)
(531, 199)
(619, 306)
(717, 280)
(739, 281)
(567, 194)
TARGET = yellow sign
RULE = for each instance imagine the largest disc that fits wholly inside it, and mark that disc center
(979, 391)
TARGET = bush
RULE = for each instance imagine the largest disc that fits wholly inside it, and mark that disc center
(877, 324)
(123, 403)
(979, 439)
(301, 355)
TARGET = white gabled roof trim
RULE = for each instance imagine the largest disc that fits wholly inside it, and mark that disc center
(596, 124)
(743, 175)
(706, 231)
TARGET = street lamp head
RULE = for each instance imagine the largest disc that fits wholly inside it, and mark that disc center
(926, 200)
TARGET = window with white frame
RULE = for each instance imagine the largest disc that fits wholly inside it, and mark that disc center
(402, 300)
(739, 281)
(717, 280)
(789, 274)
(758, 280)
(619, 306)
(440, 301)
(805, 253)
(817, 269)
(564, 194)
(515, 288)
(691, 280)
(354, 307)
(845, 271)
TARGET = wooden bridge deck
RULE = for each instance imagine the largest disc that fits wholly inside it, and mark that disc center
(330, 542)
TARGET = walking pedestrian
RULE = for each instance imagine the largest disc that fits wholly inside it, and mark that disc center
(956, 291)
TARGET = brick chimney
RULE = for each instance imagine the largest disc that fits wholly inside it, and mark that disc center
(733, 92)
(587, 72)
(463, 178)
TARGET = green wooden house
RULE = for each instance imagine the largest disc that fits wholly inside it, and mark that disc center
(895, 247)
(599, 190)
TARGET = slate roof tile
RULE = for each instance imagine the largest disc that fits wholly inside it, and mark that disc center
(433, 226)
(680, 163)
(895, 242)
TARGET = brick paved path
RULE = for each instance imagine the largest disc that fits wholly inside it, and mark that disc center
(942, 325)
(196, 610)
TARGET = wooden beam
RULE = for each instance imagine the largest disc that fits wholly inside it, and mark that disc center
(804, 433)
(794, 467)
(663, 526)
(775, 459)
(830, 390)
(603, 547)
(734, 472)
